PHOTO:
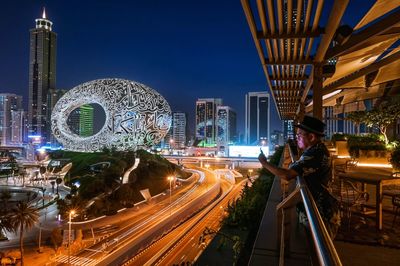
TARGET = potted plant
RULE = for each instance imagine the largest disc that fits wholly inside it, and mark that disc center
(340, 142)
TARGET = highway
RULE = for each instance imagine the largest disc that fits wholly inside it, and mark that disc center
(182, 244)
(148, 225)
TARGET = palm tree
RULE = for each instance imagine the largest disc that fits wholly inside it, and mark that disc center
(23, 217)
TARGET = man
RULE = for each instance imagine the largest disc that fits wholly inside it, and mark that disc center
(314, 166)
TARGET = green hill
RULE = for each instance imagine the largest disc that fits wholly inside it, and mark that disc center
(105, 188)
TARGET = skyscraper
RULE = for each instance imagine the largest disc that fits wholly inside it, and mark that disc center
(179, 129)
(257, 118)
(86, 120)
(18, 127)
(80, 120)
(206, 111)
(8, 102)
(42, 76)
(288, 129)
(52, 98)
(226, 126)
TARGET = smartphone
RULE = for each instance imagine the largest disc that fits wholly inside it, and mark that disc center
(261, 151)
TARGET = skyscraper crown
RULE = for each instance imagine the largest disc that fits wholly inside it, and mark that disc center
(43, 23)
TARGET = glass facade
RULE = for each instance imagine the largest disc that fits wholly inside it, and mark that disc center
(257, 118)
(42, 77)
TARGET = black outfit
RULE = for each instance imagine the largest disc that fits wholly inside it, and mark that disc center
(314, 165)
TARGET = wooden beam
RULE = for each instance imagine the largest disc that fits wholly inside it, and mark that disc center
(338, 9)
(293, 35)
(364, 71)
(305, 77)
(317, 92)
(253, 30)
(308, 61)
(277, 88)
(363, 36)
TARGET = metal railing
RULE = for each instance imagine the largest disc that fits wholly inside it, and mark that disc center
(325, 250)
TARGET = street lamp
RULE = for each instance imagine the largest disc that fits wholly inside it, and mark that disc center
(263, 142)
(170, 178)
(72, 212)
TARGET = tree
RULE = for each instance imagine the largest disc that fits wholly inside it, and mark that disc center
(56, 238)
(5, 197)
(381, 116)
(23, 217)
(5, 225)
(237, 243)
(357, 117)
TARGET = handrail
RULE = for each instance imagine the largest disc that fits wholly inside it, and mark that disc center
(325, 249)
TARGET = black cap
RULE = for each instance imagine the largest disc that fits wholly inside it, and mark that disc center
(312, 125)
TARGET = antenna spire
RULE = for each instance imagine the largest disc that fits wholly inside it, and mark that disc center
(44, 13)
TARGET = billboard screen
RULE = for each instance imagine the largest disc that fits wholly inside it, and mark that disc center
(247, 151)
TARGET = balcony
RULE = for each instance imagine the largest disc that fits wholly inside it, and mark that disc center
(358, 242)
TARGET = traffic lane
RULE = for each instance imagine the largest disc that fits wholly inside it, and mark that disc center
(190, 250)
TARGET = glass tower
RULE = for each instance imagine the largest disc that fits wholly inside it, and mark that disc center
(206, 113)
(257, 118)
(42, 76)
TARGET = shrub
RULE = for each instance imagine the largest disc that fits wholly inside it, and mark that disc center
(395, 158)
(338, 137)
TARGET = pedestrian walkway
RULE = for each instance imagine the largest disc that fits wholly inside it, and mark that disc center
(75, 260)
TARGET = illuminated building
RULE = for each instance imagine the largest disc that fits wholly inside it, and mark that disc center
(80, 121)
(86, 120)
(136, 115)
(226, 127)
(257, 117)
(52, 98)
(18, 127)
(277, 138)
(206, 110)
(288, 129)
(9, 103)
(42, 76)
(178, 130)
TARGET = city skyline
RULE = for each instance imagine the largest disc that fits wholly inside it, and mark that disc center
(187, 49)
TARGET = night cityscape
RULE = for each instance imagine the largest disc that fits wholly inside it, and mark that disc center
(213, 133)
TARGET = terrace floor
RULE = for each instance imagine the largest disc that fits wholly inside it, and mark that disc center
(357, 244)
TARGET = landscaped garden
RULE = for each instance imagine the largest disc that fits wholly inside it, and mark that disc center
(234, 242)
(97, 192)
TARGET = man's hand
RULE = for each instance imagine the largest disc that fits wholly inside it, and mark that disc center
(262, 158)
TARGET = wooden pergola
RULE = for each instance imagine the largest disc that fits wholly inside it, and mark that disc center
(300, 57)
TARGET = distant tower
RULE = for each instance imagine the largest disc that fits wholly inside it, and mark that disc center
(179, 129)
(42, 76)
(257, 118)
(52, 98)
(288, 129)
(206, 112)
(18, 127)
(86, 120)
(226, 127)
(9, 103)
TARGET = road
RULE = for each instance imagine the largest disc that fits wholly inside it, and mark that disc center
(182, 244)
(147, 225)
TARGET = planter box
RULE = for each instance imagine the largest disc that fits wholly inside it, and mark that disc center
(341, 148)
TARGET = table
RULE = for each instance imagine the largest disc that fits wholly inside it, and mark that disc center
(376, 179)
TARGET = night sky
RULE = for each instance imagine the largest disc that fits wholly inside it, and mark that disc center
(183, 49)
